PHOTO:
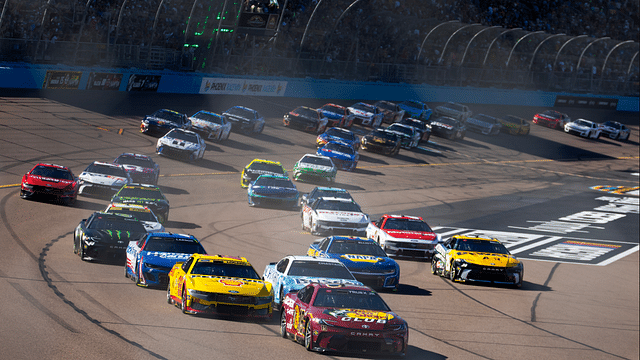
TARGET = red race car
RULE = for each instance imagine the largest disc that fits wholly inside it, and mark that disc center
(342, 318)
(552, 119)
(50, 180)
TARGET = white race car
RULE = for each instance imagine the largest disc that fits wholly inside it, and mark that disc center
(210, 125)
(584, 128)
(334, 216)
(139, 212)
(183, 144)
(409, 137)
(615, 130)
(101, 178)
(366, 114)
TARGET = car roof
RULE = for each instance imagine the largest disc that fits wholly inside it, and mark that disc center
(463, 237)
(329, 198)
(409, 217)
(342, 286)
(53, 165)
(265, 161)
(135, 155)
(323, 188)
(311, 258)
(352, 238)
(223, 258)
(171, 235)
(140, 186)
(127, 206)
(274, 176)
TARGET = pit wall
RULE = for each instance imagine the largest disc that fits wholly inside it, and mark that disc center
(27, 76)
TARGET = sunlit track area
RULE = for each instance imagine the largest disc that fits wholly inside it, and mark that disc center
(565, 205)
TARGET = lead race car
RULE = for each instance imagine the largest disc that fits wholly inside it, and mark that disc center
(50, 180)
(333, 215)
(292, 273)
(350, 319)
(474, 259)
(183, 144)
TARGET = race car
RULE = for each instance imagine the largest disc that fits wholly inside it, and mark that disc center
(306, 119)
(585, 128)
(141, 168)
(314, 167)
(514, 125)
(138, 212)
(343, 155)
(474, 259)
(552, 119)
(150, 258)
(454, 110)
(349, 319)
(484, 124)
(105, 236)
(146, 195)
(382, 141)
(334, 216)
(338, 115)
(210, 125)
(222, 285)
(366, 114)
(449, 128)
(615, 130)
(416, 109)
(339, 135)
(409, 137)
(182, 144)
(295, 272)
(164, 120)
(244, 119)
(259, 167)
(363, 257)
(318, 192)
(276, 190)
(403, 236)
(102, 179)
(421, 126)
(52, 181)
(392, 112)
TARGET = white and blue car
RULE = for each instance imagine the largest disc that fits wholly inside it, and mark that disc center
(363, 257)
(150, 258)
(292, 273)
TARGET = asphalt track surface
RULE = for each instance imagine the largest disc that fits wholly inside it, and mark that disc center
(573, 305)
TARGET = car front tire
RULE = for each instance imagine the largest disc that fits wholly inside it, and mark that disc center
(283, 323)
(308, 336)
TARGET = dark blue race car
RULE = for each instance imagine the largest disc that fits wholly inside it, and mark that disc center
(273, 190)
(150, 259)
(339, 135)
(164, 120)
(343, 155)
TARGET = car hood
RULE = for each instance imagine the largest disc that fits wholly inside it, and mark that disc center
(137, 169)
(441, 125)
(177, 143)
(120, 236)
(361, 113)
(356, 319)
(225, 285)
(407, 235)
(164, 259)
(267, 190)
(487, 259)
(344, 216)
(331, 115)
(102, 179)
(139, 201)
(578, 127)
(203, 123)
(47, 181)
(298, 282)
(314, 167)
(335, 154)
(365, 260)
(162, 122)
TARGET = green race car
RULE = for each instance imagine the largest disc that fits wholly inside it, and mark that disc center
(315, 167)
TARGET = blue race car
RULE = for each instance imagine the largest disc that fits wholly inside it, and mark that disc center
(342, 154)
(150, 258)
(164, 120)
(339, 135)
(363, 257)
(416, 109)
(295, 272)
(273, 190)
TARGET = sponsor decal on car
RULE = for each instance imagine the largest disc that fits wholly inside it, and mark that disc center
(228, 282)
(362, 258)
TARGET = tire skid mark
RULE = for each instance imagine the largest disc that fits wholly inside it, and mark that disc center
(448, 343)
(40, 260)
(546, 283)
(38, 305)
(524, 322)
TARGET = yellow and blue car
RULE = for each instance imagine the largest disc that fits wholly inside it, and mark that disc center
(259, 167)
(474, 259)
(220, 285)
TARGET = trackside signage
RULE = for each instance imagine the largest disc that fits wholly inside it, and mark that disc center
(226, 86)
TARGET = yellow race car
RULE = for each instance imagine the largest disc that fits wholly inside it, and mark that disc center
(259, 167)
(465, 258)
(216, 284)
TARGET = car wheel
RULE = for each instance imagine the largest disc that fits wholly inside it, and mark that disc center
(452, 273)
(283, 323)
(598, 136)
(308, 340)
(169, 300)
(314, 229)
(126, 274)
(260, 128)
(69, 201)
(75, 247)
(81, 252)
(183, 303)
(434, 266)
(136, 276)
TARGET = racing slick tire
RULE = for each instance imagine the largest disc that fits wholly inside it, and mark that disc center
(169, 300)
(452, 273)
(137, 278)
(81, 252)
(434, 268)
(314, 229)
(183, 301)
(260, 128)
(126, 275)
(308, 336)
(283, 324)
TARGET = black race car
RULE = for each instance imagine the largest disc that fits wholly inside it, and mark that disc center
(421, 126)
(148, 195)
(164, 120)
(244, 120)
(104, 235)
(141, 168)
(381, 140)
(306, 119)
(449, 128)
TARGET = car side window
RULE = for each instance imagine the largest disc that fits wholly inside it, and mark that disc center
(187, 265)
(282, 265)
(324, 244)
(305, 294)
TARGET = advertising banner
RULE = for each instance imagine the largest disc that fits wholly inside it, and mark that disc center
(104, 81)
(62, 79)
(226, 86)
(143, 82)
(586, 102)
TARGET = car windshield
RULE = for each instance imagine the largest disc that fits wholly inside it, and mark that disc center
(210, 117)
(333, 193)
(306, 112)
(350, 299)
(413, 123)
(339, 133)
(386, 105)
(406, 224)
(106, 170)
(339, 148)
(337, 205)
(363, 107)
(455, 106)
(140, 214)
(101, 222)
(483, 246)
(151, 193)
(583, 123)
(413, 104)
(552, 114)
(333, 109)
(51, 172)
(136, 161)
(169, 116)
(401, 129)
(240, 112)
(173, 245)
(274, 182)
(447, 121)
(220, 268)
(485, 118)
(382, 134)
(182, 135)
(269, 167)
(319, 269)
(356, 247)
(612, 124)
(316, 160)
(513, 119)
